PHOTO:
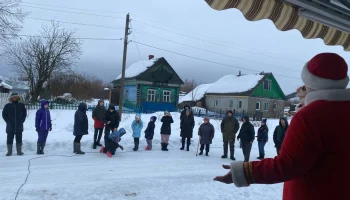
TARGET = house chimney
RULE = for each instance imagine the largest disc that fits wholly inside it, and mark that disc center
(150, 57)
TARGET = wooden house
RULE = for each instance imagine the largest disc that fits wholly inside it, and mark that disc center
(151, 85)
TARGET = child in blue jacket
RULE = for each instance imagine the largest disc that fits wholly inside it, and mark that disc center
(112, 142)
(136, 127)
(149, 132)
(43, 125)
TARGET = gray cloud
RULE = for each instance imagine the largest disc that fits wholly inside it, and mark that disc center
(104, 58)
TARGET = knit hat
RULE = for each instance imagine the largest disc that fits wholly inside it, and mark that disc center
(111, 107)
(230, 111)
(14, 95)
(153, 118)
(326, 71)
(264, 121)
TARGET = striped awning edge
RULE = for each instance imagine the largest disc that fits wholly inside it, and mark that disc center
(285, 17)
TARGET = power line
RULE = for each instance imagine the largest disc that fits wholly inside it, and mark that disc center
(209, 61)
(79, 13)
(185, 35)
(78, 38)
(214, 38)
(104, 11)
(137, 45)
(77, 23)
(90, 10)
(214, 52)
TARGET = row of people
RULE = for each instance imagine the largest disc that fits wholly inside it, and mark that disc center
(108, 121)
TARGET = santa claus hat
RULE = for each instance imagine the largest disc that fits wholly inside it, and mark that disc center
(326, 71)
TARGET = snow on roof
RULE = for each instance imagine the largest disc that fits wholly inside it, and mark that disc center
(196, 94)
(137, 68)
(235, 84)
(3, 84)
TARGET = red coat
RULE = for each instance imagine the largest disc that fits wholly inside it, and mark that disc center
(314, 158)
(98, 123)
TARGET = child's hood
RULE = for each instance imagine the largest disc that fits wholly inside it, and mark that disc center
(138, 115)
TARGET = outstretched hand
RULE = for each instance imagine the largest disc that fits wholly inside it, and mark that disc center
(226, 178)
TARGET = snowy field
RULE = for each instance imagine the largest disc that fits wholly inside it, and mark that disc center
(61, 175)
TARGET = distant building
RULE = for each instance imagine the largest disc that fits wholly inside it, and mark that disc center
(4, 87)
(251, 94)
(151, 85)
(195, 97)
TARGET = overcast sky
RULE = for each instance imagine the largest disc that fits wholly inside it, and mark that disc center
(233, 41)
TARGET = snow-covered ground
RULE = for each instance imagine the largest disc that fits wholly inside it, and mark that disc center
(128, 175)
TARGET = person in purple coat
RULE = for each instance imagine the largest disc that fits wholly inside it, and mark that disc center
(43, 125)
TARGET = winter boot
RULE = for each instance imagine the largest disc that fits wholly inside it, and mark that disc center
(201, 152)
(136, 148)
(42, 147)
(121, 147)
(38, 148)
(109, 154)
(207, 153)
(146, 149)
(19, 149)
(259, 157)
(188, 144)
(262, 157)
(74, 148)
(166, 147)
(232, 158)
(94, 145)
(224, 156)
(163, 149)
(183, 144)
(9, 150)
(102, 148)
(78, 148)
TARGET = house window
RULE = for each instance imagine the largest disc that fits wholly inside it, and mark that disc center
(257, 106)
(239, 104)
(267, 85)
(151, 95)
(266, 106)
(216, 103)
(231, 104)
(166, 96)
(274, 106)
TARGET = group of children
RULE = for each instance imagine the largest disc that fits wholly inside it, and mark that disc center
(109, 119)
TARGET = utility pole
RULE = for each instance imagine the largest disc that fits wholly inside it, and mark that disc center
(126, 40)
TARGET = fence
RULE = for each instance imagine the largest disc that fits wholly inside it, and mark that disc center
(4, 99)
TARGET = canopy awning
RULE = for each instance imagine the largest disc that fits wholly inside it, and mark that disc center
(287, 16)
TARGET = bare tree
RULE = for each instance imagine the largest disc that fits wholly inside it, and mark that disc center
(38, 57)
(11, 17)
(81, 86)
(189, 85)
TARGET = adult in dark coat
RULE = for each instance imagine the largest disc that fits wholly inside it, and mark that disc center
(112, 119)
(206, 133)
(262, 138)
(43, 125)
(246, 135)
(98, 115)
(14, 114)
(280, 133)
(229, 128)
(81, 126)
(165, 130)
(186, 126)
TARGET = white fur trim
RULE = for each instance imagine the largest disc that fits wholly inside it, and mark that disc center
(328, 95)
(318, 83)
(238, 176)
